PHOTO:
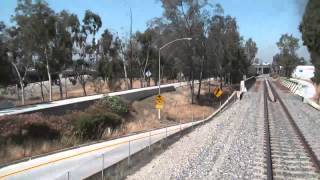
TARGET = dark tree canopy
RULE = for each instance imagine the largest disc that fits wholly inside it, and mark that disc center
(310, 29)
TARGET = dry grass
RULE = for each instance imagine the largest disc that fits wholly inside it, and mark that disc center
(177, 108)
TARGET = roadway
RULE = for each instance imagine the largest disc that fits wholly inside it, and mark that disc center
(85, 161)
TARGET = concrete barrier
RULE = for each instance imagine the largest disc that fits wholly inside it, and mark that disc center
(301, 89)
(245, 85)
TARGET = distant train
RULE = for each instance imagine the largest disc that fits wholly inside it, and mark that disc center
(303, 72)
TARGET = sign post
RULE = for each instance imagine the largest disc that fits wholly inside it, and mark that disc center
(159, 103)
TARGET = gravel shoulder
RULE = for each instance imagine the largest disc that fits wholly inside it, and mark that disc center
(228, 147)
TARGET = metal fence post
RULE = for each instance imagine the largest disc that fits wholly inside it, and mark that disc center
(68, 174)
(129, 154)
(192, 118)
(166, 132)
(149, 141)
(203, 121)
(180, 129)
(102, 170)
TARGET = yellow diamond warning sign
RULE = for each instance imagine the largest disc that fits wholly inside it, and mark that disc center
(217, 92)
(159, 102)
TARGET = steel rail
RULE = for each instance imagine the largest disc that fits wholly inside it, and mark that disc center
(267, 134)
(314, 159)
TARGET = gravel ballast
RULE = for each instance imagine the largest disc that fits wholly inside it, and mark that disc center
(230, 146)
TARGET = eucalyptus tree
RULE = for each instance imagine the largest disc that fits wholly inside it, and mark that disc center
(145, 50)
(124, 59)
(288, 45)
(250, 50)
(18, 58)
(104, 43)
(215, 48)
(86, 52)
(109, 63)
(5, 66)
(66, 26)
(36, 21)
(91, 25)
(43, 26)
(310, 30)
(188, 18)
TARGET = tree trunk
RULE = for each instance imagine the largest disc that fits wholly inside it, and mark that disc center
(49, 75)
(141, 82)
(131, 82)
(83, 84)
(220, 81)
(145, 68)
(20, 82)
(17, 91)
(66, 87)
(192, 93)
(200, 79)
(41, 88)
(192, 88)
(125, 75)
(60, 88)
(22, 92)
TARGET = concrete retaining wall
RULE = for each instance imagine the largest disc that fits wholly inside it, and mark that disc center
(133, 96)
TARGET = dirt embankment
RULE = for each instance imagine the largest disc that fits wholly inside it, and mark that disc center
(28, 135)
(177, 109)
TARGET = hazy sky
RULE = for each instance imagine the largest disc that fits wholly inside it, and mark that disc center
(262, 20)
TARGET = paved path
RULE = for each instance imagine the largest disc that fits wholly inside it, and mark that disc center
(86, 161)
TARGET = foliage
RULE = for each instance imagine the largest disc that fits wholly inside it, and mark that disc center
(116, 104)
(310, 29)
(287, 58)
(91, 126)
(250, 50)
(109, 63)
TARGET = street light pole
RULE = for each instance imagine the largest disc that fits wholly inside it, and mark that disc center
(159, 81)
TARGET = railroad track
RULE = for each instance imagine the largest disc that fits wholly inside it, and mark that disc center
(287, 152)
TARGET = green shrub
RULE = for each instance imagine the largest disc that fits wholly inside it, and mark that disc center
(116, 104)
(92, 126)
